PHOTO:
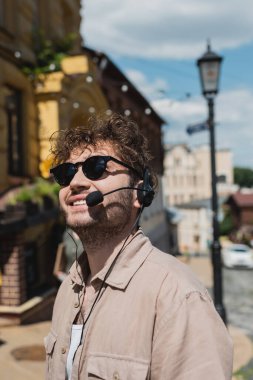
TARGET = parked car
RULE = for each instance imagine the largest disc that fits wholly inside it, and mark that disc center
(237, 255)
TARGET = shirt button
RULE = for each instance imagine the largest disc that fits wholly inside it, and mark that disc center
(63, 350)
(76, 304)
(116, 376)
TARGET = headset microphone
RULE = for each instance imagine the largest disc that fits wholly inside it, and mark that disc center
(145, 193)
(96, 197)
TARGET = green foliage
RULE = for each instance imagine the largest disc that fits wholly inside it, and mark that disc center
(48, 53)
(64, 45)
(243, 177)
(45, 188)
(24, 195)
(244, 374)
(36, 192)
(227, 225)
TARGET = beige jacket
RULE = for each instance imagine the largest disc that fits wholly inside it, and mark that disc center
(154, 320)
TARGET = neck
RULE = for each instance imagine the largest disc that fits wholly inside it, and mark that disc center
(100, 247)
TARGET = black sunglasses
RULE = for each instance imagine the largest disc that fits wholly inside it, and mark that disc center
(93, 168)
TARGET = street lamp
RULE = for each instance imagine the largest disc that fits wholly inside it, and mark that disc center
(209, 70)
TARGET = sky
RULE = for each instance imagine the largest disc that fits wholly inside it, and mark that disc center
(156, 45)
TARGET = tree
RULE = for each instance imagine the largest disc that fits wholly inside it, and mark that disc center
(243, 177)
(227, 224)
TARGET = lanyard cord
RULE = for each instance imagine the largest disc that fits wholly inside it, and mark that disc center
(136, 224)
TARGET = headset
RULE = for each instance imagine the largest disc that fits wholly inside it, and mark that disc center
(145, 192)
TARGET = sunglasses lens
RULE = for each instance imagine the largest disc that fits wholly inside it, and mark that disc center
(64, 173)
(94, 167)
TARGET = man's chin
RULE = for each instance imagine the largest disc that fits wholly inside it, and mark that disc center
(77, 222)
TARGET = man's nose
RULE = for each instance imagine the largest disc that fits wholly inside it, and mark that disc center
(79, 180)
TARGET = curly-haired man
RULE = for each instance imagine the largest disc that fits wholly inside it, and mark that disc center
(126, 310)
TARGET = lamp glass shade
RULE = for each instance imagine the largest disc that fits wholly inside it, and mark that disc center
(209, 70)
(209, 73)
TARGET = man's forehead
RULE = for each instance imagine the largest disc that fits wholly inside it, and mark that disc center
(102, 148)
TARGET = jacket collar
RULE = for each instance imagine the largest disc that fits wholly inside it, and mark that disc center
(79, 271)
(129, 261)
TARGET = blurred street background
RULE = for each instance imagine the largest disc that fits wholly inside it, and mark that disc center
(182, 71)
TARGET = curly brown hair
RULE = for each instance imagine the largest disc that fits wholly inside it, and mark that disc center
(121, 132)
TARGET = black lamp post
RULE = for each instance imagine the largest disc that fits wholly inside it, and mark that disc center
(209, 70)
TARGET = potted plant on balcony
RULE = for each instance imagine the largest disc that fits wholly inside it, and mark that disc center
(26, 196)
(47, 192)
(22, 202)
(30, 199)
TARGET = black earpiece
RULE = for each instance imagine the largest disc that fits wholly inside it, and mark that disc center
(146, 193)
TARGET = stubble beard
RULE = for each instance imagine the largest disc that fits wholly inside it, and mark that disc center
(105, 222)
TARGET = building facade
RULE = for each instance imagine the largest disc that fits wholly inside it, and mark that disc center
(187, 173)
(195, 227)
(241, 206)
(48, 82)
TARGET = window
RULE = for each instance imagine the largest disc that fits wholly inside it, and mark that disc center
(37, 15)
(14, 125)
(8, 18)
(68, 21)
(222, 178)
(177, 161)
(2, 13)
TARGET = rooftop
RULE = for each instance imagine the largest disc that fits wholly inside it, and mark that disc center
(241, 199)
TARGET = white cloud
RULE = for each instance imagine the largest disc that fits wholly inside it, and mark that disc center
(189, 111)
(166, 28)
(234, 118)
(235, 129)
(177, 30)
(233, 115)
(149, 88)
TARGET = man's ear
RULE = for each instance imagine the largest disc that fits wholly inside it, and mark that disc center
(137, 204)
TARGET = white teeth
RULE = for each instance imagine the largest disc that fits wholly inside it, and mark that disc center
(81, 202)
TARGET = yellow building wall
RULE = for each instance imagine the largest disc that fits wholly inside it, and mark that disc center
(49, 116)
(66, 99)
(52, 106)
(13, 78)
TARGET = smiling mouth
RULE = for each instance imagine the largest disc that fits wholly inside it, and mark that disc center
(78, 203)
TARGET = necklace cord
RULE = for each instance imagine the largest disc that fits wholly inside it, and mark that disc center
(136, 224)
